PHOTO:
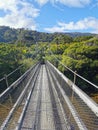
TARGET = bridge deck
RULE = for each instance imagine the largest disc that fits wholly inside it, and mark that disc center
(48, 101)
(44, 111)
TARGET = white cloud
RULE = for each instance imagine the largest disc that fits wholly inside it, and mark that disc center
(8, 5)
(18, 14)
(41, 2)
(89, 23)
(70, 3)
(74, 3)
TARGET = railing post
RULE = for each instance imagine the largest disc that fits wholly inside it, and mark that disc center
(75, 77)
(72, 98)
(6, 80)
(72, 86)
(7, 84)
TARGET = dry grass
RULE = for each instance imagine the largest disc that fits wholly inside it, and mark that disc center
(4, 110)
(94, 97)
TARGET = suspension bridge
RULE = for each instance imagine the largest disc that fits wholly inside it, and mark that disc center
(43, 98)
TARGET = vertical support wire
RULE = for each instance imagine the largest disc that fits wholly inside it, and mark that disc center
(72, 97)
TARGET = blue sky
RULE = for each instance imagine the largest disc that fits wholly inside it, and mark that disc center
(50, 15)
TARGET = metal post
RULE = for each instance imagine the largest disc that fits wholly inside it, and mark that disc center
(6, 80)
(72, 86)
(75, 77)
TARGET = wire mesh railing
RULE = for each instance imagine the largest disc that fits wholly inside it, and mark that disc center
(81, 110)
(88, 87)
(8, 79)
(13, 98)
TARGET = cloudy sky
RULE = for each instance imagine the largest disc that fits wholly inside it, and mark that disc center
(50, 15)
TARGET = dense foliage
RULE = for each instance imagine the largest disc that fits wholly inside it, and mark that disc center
(75, 50)
(80, 56)
(29, 37)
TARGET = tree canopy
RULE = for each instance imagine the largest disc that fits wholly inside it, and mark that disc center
(75, 50)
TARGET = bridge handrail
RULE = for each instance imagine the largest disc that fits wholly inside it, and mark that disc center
(15, 70)
(63, 95)
(19, 100)
(11, 72)
(90, 103)
(2, 79)
(26, 105)
(13, 85)
(74, 72)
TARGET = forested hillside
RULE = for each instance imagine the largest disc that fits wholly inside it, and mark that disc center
(80, 55)
(12, 35)
(76, 50)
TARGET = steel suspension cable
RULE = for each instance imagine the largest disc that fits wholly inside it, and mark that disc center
(74, 71)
